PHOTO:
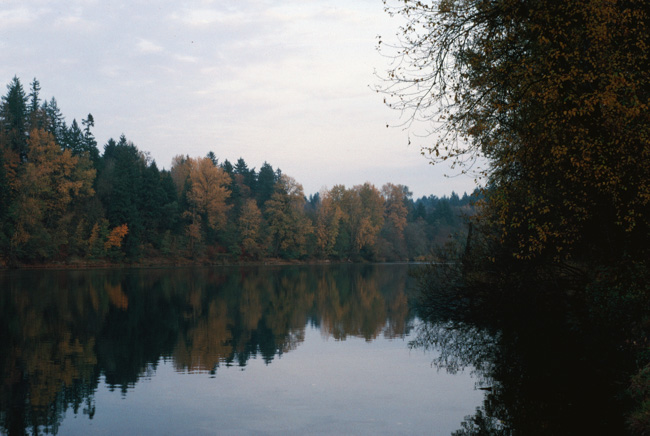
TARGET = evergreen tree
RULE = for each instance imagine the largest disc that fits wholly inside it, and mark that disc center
(241, 167)
(213, 158)
(169, 218)
(419, 211)
(36, 118)
(151, 199)
(34, 100)
(89, 142)
(13, 115)
(5, 203)
(266, 180)
(119, 184)
(242, 177)
(235, 199)
(250, 180)
(227, 166)
(74, 139)
(55, 121)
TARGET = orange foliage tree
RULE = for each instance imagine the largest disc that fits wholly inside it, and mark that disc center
(368, 216)
(207, 193)
(328, 223)
(116, 236)
(48, 183)
(249, 227)
(395, 197)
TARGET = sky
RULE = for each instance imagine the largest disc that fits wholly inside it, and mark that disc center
(285, 82)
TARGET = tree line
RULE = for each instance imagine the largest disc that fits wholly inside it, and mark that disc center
(62, 200)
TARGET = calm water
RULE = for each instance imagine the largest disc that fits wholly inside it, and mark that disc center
(268, 350)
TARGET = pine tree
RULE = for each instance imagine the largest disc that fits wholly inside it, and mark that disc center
(89, 143)
(119, 182)
(36, 118)
(265, 184)
(34, 100)
(74, 139)
(13, 115)
(55, 121)
(213, 158)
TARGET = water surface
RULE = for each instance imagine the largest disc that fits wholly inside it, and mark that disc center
(264, 350)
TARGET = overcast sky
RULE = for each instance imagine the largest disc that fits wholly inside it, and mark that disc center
(287, 82)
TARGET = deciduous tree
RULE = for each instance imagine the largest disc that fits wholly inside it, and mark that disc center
(555, 96)
(328, 222)
(288, 225)
(369, 218)
(51, 180)
(116, 236)
(249, 227)
(208, 191)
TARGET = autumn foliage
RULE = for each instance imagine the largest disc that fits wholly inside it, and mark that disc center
(116, 236)
(61, 201)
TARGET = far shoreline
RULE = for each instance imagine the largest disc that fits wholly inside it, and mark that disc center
(188, 263)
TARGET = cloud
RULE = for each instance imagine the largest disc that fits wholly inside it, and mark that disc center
(185, 58)
(77, 22)
(204, 17)
(17, 17)
(112, 70)
(146, 46)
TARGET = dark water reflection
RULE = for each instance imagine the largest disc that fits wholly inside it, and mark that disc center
(545, 370)
(65, 333)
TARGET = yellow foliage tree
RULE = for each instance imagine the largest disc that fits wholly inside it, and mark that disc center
(49, 182)
(395, 197)
(369, 217)
(209, 191)
(249, 228)
(328, 221)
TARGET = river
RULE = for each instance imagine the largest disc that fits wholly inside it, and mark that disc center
(228, 350)
(310, 349)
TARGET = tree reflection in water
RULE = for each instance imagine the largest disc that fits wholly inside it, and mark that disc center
(545, 369)
(61, 332)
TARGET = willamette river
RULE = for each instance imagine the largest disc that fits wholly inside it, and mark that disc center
(331, 349)
(255, 350)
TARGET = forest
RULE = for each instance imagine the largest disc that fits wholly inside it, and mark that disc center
(62, 201)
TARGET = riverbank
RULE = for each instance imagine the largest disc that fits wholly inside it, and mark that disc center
(163, 262)
(158, 263)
